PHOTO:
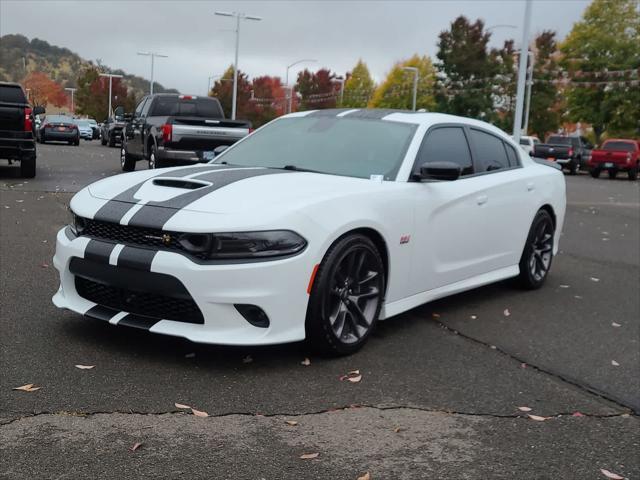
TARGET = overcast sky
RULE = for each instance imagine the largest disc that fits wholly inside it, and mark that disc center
(199, 44)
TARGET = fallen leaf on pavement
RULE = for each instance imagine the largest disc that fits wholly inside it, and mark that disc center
(190, 355)
(44, 265)
(614, 324)
(611, 475)
(473, 317)
(525, 409)
(306, 362)
(366, 476)
(594, 279)
(247, 359)
(85, 367)
(353, 376)
(564, 286)
(523, 365)
(136, 446)
(506, 312)
(538, 418)
(182, 406)
(198, 413)
(27, 388)
(293, 423)
(398, 429)
(493, 347)
(614, 363)
(577, 414)
(309, 456)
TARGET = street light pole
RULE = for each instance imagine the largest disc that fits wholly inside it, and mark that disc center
(416, 74)
(522, 72)
(341, 80)
(525, 129)
(73, 91)
(286, 81)
(111, 77)
(153, 55)
(238, 16)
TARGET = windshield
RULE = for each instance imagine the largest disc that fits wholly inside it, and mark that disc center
(340, 146)
(619, 146)
(559, 140)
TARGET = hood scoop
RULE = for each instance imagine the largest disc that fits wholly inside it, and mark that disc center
(186, 184)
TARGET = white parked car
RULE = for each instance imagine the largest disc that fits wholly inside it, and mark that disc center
(315, 226)
(528, 143)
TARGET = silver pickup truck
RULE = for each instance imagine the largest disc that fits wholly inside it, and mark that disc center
(172, 129)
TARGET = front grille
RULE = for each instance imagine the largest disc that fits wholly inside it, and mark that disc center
(146, 237)
(141, 303)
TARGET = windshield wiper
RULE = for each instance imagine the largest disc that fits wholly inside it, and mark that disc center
(298, 169)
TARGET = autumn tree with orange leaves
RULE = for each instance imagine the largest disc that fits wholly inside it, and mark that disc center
(44, 91)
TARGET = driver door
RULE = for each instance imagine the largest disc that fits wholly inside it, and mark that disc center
(133, 131)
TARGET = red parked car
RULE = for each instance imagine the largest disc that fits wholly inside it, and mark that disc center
(616, 155)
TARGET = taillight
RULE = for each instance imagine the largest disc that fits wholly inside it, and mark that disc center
(28, 123)
(571, 152)
(251, 130)
(167, 132)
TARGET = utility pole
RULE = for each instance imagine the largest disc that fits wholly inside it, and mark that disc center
(416, 74)
(153, 55)
(341, 80)
(238, 17)
(522, 73)
(286, 81)
(73, 91)
(111, 77)
(525, 129)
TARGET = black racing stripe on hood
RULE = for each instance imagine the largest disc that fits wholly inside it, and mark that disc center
(118, 206)
(137, 321)
(156, 214)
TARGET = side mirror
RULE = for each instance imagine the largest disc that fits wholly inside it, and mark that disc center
(219, 149)
(39, 110)
(440, 171)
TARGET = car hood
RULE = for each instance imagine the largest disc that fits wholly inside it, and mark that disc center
(225, 189)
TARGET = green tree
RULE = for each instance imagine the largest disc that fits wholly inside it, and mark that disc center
(467, 70)
(606, 39)
(397, 89)
(92, 97)
(223, 91)
(359, 87)
(544, 113)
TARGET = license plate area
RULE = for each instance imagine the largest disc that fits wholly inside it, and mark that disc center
(608, 165)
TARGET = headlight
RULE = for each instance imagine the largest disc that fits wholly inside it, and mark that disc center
(76, 223)
(274, 243)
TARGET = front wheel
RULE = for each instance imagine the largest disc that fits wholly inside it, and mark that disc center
(153, 159)
(633, 173)
(112, 141)
(127, 162)
(595, 172)
(28, 167)
(573, 167)
(346, 296)
(538, 252)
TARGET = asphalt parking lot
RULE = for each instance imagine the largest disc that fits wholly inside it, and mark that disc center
(440, 390)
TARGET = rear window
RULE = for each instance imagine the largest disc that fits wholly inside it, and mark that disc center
(559, 140)
(12, 94)
(182, 107)
(619, 146)
(59, 119)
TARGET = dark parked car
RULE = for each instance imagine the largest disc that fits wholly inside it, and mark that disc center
(17, 128)
(111, 130)
(172, 129)
(58, 128)
(572, 153)
(95, 128)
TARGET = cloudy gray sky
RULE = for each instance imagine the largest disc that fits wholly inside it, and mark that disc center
(199, 44)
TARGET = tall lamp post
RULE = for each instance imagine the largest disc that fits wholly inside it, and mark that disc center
(286, 81)
(238, 16)
(522, 73)
(341, 80)
(525, 129)
(416, 75)
(111, 77)
(153, 55)
(73, 91)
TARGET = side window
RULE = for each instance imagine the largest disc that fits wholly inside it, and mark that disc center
(147, 105)
(512, 155)
(489, 150)
(446, 144)
(140, 106)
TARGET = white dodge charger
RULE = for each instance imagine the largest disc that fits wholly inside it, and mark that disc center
(316, 226)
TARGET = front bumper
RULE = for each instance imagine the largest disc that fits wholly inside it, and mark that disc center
(61, 136)
(278, 287)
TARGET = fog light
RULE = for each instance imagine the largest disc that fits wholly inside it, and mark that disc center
(253, 314)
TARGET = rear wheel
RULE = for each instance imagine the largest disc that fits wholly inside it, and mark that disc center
(153, 158)
(573, 167)
(28, 167)
(595, 172)
(103, 140)
(633, 173)
(112, 140)
(127, 162)
(346, 296)
(613, 173)
(538, 252)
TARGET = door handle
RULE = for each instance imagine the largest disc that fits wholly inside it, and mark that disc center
(482, 199)
(531, 186)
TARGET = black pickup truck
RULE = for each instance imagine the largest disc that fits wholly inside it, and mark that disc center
(17, 128)
(571, 153)
(172, 129)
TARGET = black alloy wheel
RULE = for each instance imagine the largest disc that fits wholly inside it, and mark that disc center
(346, 297)
(127, 163)
(537, 256)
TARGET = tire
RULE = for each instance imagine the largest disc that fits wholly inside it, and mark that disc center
(127, 162)
(103, 140)
(43, 139)
(537, 255)
(346, 296)
(573, 167)
(595, 172)
(633, 173)
(28, 167)
(77, 142)
(613, 173)
(112, 141)
(154, 161)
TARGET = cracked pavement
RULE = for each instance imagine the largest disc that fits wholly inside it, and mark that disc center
(441, 384)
